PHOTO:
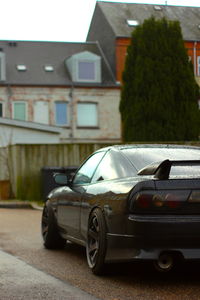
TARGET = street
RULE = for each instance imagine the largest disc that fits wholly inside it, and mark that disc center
(20, 238)
(22, 281)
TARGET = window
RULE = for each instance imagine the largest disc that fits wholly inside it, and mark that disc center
(86, 70)
(19, 111)
(132, 23)
(41, 112)
(1, 109)
(87, 114)
(87, 170)
(61, 113)
(21, 68)
(198, 66)
(84, 67)
(49, 68)
(158, 8)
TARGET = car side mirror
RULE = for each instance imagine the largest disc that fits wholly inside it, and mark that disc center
(61, 179)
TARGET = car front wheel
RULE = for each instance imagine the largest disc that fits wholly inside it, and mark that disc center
(96, 242)
(50, 233)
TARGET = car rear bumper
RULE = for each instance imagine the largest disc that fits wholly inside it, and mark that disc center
(149, 236)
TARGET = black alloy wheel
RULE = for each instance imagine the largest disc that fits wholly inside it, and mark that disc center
(96, 242)
(50, 233)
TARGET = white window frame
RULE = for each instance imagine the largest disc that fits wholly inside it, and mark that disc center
(198, 65)
(67, 115)
(13, 110)
(97, 116)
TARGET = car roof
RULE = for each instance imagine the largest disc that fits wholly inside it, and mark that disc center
(156, 146)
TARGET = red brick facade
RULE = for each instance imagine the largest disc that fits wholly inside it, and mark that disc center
(193, 49)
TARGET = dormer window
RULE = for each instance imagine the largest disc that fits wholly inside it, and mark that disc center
(84, 67)
(86, 70)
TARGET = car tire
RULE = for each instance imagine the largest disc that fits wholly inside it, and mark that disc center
(50, 233)
(96, 242)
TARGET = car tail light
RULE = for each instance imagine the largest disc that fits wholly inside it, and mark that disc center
(159, 201)
(194, 197)
(143, 200)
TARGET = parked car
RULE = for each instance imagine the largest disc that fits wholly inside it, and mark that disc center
(129, 202)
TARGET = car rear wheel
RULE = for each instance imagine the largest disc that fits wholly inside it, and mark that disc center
(96, 242)
(50, 233)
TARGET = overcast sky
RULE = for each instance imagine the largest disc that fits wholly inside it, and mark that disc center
(56, 20)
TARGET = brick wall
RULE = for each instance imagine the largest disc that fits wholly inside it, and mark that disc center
(107, 100)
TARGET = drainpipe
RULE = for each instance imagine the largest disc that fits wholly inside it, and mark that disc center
(195, 58)
(8, 111)
(72, 112)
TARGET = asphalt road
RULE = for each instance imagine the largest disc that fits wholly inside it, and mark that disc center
(20, 237)
(20, 281)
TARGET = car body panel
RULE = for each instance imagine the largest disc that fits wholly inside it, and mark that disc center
(130, 235)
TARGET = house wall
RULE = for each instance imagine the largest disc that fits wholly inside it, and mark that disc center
(10, 135)
(106, 99)
(121, 49)
(193, 49)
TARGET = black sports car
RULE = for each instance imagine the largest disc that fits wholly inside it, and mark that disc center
(128, 203)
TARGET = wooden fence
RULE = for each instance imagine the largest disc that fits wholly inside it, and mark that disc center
(26, 162)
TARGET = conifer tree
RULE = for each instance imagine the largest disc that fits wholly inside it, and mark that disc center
(159, 98)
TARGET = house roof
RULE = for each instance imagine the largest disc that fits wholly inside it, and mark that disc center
(117, 15)
(36, 55)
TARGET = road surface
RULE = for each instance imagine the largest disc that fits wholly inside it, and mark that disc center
(20, 237)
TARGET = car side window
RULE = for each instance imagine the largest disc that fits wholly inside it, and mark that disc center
(86, 171)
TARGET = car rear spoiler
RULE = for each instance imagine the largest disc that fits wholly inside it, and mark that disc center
(161, 170)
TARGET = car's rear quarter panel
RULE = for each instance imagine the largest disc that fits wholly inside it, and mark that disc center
(111, 197)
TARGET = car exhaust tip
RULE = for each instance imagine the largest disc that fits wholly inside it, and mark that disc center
(164, 263)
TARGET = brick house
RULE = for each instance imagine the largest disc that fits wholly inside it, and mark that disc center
(118, 20)
(53, 92)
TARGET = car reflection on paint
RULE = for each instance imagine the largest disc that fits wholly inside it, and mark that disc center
(129, 202)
